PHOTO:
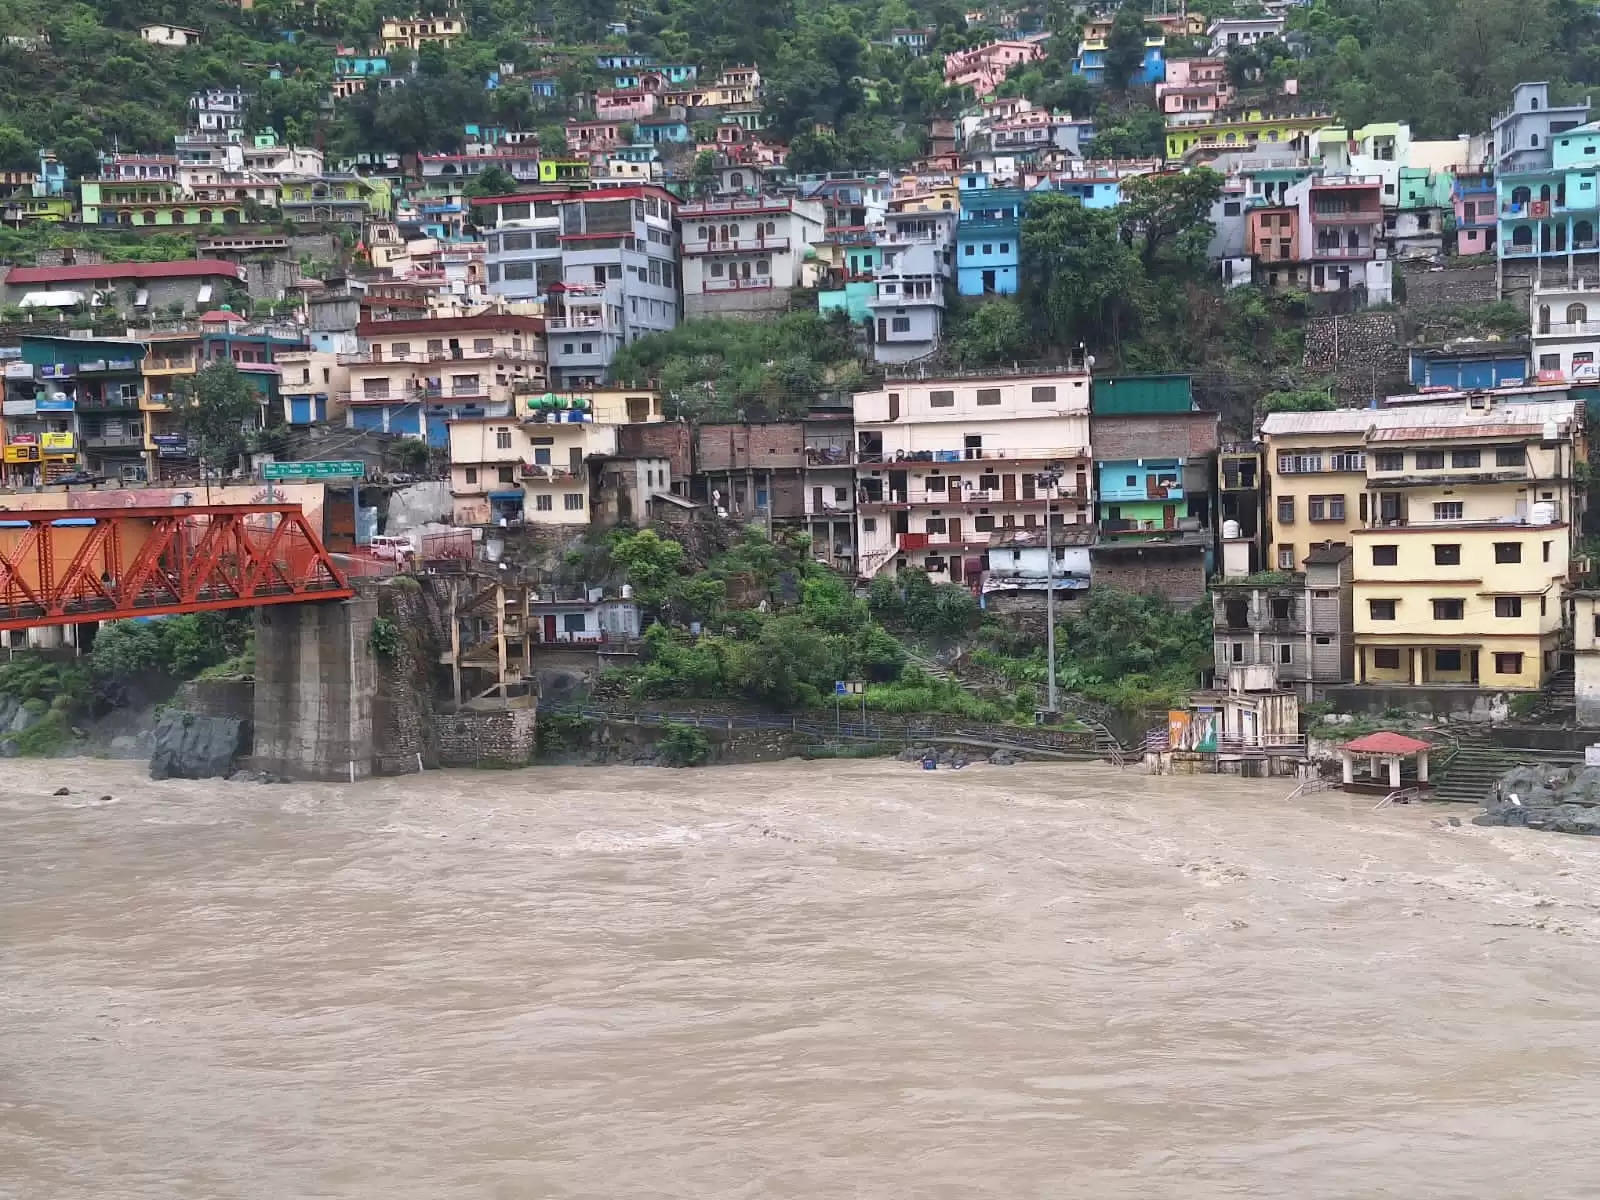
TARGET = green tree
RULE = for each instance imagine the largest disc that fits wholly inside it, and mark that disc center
(215, 408)
(652, 562)
(17, 150)
(705, 171)
(1156, 208)
(992, 331)
(495, 181)
(1125, 47)
(1079, 277)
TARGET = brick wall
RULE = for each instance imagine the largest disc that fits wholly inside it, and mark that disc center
(670, 440)
(1154, 435)
(504, 738)
(1181, 582)
(734, 447)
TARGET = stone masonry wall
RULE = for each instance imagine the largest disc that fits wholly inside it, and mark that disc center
(1362, 351)
(1448, 286)
(1181, 583)
(402, 710)
(504, 738)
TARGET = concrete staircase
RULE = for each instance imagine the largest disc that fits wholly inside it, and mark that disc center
(1470, 773)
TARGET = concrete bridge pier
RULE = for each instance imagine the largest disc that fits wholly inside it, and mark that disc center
(316, 679)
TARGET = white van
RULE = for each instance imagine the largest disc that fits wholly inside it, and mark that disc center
(392, 549)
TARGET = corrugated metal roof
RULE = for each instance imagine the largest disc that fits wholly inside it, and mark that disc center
(1434, 432)
(1432, 420)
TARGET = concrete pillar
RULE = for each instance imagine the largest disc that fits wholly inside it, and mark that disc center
(1422, 766)
(1347, 763)
(316, 676)
(1394, 771)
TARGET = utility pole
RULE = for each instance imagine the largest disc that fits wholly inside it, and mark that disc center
(1050, 479)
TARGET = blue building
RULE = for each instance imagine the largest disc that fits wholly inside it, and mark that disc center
(988, 237)
(660, 131)
(1090, 62)
(52, 176)
(542, 89)
(1091, 193)
(1469, 367)
(353, 67)
(1546, 165)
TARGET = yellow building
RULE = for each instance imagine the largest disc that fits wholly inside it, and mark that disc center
(1238, 131)
(415, 32)
(1462, 518)
(170, 359)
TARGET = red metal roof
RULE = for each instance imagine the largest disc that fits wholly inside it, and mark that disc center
(1385, 742)
(187, 269)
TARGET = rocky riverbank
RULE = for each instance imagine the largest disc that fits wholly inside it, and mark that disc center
(1562, 800)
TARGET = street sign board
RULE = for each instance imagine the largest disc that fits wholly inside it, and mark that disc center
(325, 469)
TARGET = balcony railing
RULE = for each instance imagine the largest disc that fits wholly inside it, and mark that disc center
(1347, 217)
(114, 441)
(1510, 250)
(580, 325)
(1343, 252)
(155, 365)
(975, 454)
(775, 244)
(760, 283)
(538, 471)
(1567, 328)
(956, 497)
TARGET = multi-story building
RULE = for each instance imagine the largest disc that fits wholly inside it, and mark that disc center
(1473, 198)
(539, 463)
(908, 310)
(1247, 129)
(1565, 324)
(1154, 459)
(1300, 623)
(412, 33)
(745, 256)
(1545, 183)
(171, 359)
(1228, 32)
(988, 237)
(1461, 515)
(315, 385)
(942, 463)
(335, 199)
(98, 381)
(829, 487)
(1241, 506)
(415, 376)
(1194, 89)
(1090, 60)
(217, 110)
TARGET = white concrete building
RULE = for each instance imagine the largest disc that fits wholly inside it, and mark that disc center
(942, 463)
(173, 36)
(1565, 325)
(743, 256)
(1226, 32)
(908, 309)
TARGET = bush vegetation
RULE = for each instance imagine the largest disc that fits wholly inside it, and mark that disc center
(683, 746)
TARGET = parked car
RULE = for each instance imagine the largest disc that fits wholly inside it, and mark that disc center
(392, 549)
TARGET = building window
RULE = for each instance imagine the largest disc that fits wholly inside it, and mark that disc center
(989, 396)
(1447, 510)
(1465, 458)
(1447, 554)
(1385, 556)
(1546, 552)
(502, 439)
(840, 495)
(1430, 460)
(1286, 556)
(941, 399)
(1447, 660)
(900, 324)
(483, 345)
(1381, 610)
(1508, 552)
(1325, 508)
(572, 623)
(1236, 650)
(1449, 610)
(1286, 510)
(986, 525)
(1507, 664)
(1285, 653)
(1508, 606)
(1299, 464)
(543, 503)
(1390, 461)
(1282, 607)
(572, 501)
(1348, 460)
(1509, 456)
(869, 524)
(934, 525)
(472, 475)
(1386, 660)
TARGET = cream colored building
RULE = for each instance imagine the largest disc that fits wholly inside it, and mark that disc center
(315, 386)
(415, 32)
(1462, 520)
(533, 466)
(943, 464)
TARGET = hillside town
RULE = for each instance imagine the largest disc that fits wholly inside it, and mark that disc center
(1404, 528)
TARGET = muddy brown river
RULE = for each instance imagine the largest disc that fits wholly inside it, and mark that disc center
(798, 980)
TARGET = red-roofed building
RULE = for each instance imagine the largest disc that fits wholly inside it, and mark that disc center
(133, 289)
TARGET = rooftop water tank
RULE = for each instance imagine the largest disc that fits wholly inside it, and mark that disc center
(1230, 529)
(1544, 512)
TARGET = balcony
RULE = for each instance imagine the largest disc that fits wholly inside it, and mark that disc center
(105, 366)
(114, 441)
(169, 366)
(759, 283)
(111, 402)
(546, 472)
(976, 225)
(708, 209)
(1358, 216)
(975, 454)
(1508, 250)
(572, 324)
(57, 371)
(1346, 253)
(1568, 329)
(775, 245)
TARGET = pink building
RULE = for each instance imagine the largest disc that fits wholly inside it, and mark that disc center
(624, 104)
(983, 68)
(1474, 199)
(1194, 85)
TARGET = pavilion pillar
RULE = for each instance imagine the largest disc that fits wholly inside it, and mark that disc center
(1394, 771)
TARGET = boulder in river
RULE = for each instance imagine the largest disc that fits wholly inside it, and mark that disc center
(189, 745)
